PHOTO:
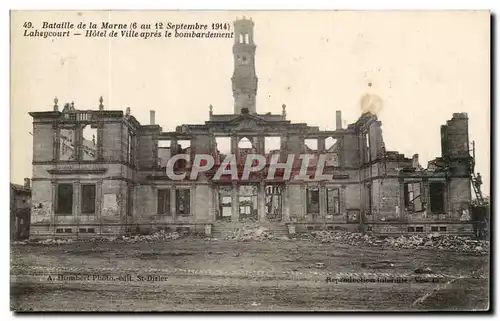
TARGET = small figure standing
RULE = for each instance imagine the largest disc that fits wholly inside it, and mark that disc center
(478, 181)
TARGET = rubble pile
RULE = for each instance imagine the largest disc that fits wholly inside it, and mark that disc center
(48, 242)
(252, 234)
(157, 236)
(433, 240)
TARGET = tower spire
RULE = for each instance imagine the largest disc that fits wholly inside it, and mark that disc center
(244, 80)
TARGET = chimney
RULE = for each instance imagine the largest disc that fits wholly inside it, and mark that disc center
(27, 183)
(338, 119)
(127, 111)
(151, 117)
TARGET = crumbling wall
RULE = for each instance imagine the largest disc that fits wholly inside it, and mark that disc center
(202, 144)
(350, 151)
(455, 136)
(295, 145)
(112, 142)
(352, 197)
(377, 146)
(297, 201)
(41, 201)
(43, 142)
(146, 147)
(386, 199)
(203, 203)
(460, 196)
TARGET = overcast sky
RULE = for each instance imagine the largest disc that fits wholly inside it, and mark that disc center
(424, 66)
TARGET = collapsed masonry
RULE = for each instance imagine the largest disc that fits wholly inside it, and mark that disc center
(101, 172)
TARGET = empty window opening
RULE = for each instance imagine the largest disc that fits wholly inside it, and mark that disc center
(443, 229)
(88, 199)
(64, 199)
(434, 228)
(130, 148)
(331, 144)
(130, 199)
(89, 142)
(245, 143)
(223, 146)
(272, 145)
(164, 143)
(411, 229)
(311, 145)
(274, 202)
(369, 229)
(59, 230)
(182, 147)
(164, 152)
(332, 201)
(67, 144)
(419, 229)
(182, 201)
(413, 197)
(436, 191)
(164, 201)
(366, 152)
(245, 147)
(369, 196)
(313, 201)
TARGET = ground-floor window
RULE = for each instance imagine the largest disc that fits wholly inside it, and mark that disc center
(225, 203)
(247, 199)
(274, 202)
(332, 201)
(436, 191)
(413, 196)
(164, 201)
(64, 199)
(88, 199)
(182, 201)
(313, 200)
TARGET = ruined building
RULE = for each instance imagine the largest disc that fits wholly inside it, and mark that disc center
(101, 172)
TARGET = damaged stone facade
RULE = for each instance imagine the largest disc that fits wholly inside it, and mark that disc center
(101, 173)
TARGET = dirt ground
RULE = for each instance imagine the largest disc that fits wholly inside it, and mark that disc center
(193, 274)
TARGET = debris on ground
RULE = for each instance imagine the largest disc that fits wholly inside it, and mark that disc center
(259, 233)
(253, 234)
(157, 236)
(432, 240)
(425, 270)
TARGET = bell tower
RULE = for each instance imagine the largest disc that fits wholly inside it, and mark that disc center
(244, 79)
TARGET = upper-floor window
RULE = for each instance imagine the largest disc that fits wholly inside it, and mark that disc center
(89, 142)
